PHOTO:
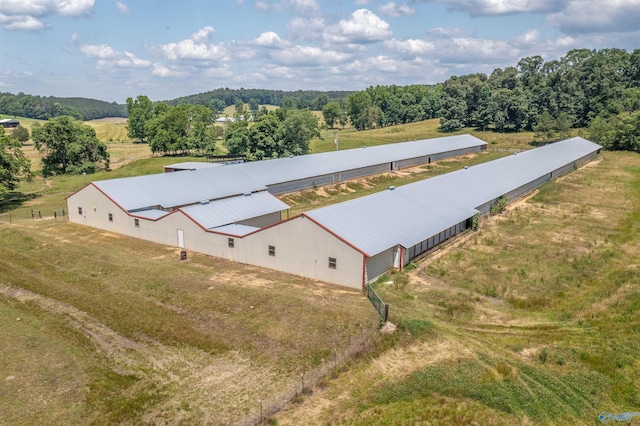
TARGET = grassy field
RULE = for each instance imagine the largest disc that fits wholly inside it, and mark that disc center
(530, 320)
(99, 328)
(123, 150)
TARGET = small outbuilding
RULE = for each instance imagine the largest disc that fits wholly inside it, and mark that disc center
(9, 123)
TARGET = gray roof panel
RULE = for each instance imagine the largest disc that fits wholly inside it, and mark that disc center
(289, 169)
(414, 212)
(234, 209)
(236, 230)
(168, 190)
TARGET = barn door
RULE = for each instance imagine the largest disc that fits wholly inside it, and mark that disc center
(396, 259)
(180, 238)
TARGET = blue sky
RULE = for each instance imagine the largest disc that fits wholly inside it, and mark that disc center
(111, 50)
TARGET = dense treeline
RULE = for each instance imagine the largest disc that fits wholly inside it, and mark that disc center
(44, 108)
(382, 106)
(581, 86)
(572, 91)
(219, 99)
(172, 129)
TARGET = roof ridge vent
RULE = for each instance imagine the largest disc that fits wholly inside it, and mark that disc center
(247, 194)
(204, 202)
(391, 188)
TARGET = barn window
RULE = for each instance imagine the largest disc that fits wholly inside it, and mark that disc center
(272, 250)
(136, 222)
(80, 210)
(231, 242)
(332, 263)
(110, 217)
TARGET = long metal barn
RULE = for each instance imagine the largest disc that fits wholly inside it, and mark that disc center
(230, 212)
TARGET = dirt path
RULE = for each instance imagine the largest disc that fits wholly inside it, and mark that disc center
(218, 385)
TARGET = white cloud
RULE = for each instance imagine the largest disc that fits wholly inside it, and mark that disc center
(26, 23)
(269, 39)
(123, 9)
(363, 26)
(307, 8)
(75, 7)
(464, 50)
(75, 38)
(410, 47)
(197, 47)
(202, 35)
(160, 70)
(107, 56)
(594, 16)
(500, 7)
(440, 32)
(308, 56)
(99, 51)
(396, 10)
(307, 28)
(28, 14)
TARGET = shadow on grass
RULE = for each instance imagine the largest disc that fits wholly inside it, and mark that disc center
(13, 200)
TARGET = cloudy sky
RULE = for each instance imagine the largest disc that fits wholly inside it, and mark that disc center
(111, 50)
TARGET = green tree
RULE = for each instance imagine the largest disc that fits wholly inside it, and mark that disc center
(14, 166)
(618, 132)
(545, 127)
(358, 104)
(236, 138)
(485, 111)
(453, 113)
(140, 112)
(563, 124)
(69, 147)
(201, 133)
(296, 131)
(21, 133)
(277, 134)
(331, 113)
(168, 129)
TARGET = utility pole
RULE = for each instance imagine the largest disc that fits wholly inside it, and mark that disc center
(336, 140)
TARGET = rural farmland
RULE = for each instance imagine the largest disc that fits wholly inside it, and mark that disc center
(526, 305)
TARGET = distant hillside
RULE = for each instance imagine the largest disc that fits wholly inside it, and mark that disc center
(220, 98)
(43, 108)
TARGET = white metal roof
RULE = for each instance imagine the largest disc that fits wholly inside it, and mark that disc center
(168, 190)
(288, 169)
(236, 230)
(385, 219)
(412, 213)
(234, 209)
(151, 214)
(193, 165)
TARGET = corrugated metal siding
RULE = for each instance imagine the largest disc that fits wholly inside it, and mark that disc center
(524, 189)
(262, 221)
(364, 171)
(379, 264)
(428, 244)
(298, 185)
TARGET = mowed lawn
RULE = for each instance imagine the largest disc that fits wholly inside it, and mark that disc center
(532, 319)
